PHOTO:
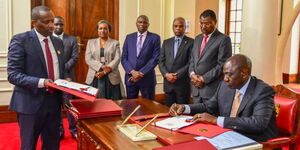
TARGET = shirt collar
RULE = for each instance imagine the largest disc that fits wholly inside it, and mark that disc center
(179, 37)
(144, 34)
(244, 88)
(211, 33)
(59, 36)
(40, 36)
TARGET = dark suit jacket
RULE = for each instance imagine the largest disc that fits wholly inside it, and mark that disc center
(145, 62)
(210, 63)
(26, 65)
(256, 115)
(179, 64)
(70, 54)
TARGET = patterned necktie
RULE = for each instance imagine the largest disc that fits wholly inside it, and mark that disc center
(49, 60)
(205, 37)
(139, 45)
(236, 104)
(176, 46)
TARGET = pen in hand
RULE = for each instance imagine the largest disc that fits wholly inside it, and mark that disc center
(175, 109)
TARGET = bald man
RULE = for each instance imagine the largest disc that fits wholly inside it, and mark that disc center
(242, 103)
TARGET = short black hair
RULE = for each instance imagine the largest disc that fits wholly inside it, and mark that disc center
(106, 22)
(35, 12)
(180, 18)
(59, 17)
(143, 16)
(208, 13)
(242, 61)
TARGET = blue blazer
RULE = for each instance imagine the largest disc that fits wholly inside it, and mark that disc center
(145, 62)
(26, 65)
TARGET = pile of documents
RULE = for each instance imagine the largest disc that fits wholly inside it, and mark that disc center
(81, 108)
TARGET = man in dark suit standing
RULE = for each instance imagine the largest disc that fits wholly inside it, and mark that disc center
(242, 103)
(210, 51)
(35, 58)
(139, 58)
(70, 59)
(174, 63)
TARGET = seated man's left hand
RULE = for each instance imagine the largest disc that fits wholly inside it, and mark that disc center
(205, 118)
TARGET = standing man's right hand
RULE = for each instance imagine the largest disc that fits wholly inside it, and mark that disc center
(46, 81)
(176, 110)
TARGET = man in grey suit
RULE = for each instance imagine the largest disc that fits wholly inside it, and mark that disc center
(70, 59)
(242, 103)
(173, 64)
(210, 51)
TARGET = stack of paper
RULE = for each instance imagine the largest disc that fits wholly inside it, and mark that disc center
(81, 108)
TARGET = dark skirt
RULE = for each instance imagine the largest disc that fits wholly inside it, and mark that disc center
(107, 90)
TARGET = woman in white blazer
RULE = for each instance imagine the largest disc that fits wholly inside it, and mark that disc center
(103, 57)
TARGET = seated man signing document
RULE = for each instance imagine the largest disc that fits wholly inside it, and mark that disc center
(242, 103)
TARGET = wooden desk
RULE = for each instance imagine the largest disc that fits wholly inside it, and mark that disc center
(101, 133)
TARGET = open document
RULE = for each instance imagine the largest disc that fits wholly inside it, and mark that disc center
(231, 140)
(174, 123)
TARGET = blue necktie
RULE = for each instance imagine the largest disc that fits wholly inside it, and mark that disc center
(176, 46)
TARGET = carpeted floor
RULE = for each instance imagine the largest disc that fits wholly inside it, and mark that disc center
(10, 138)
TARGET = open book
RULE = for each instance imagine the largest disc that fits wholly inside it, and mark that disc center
(174, 123)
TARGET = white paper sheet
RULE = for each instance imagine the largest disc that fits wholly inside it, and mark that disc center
(174, 123)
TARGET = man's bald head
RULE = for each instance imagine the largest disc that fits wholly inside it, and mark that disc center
(237, 70)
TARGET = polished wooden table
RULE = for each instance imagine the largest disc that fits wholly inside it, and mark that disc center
(101, 133)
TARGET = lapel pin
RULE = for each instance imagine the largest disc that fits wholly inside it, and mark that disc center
(58, 51)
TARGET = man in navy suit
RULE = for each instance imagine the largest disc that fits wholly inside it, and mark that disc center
(242, 103)
(70, 59)
(35, 58)
(139, 58)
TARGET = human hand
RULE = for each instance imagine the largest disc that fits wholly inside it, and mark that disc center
(205, 117)
(99, 75)
(176, 110)
(68, 79)
(106, 69)
(46, 81)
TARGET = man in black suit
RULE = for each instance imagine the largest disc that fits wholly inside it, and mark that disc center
(242, 103)
(174, 63)
(35, 58)
(210, 50)
(70, 59)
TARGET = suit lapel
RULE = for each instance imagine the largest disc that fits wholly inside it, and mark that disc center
(181, 46)
(209, 43)
(145, 44)
(97, 48)
(247, 96)
(172, 49)
(38, 48)
(106, 50)
(229, 104)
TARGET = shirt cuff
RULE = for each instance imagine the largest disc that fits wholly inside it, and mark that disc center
(220, 121)
(192, 73)
(41, 83)
(187, 109)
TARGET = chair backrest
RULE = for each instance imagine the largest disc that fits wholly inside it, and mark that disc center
(287, 105)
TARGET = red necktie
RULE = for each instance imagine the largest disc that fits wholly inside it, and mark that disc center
(203, 44)
(49, 60)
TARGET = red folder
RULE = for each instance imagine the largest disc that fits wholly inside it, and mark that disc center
(81, 108)
(202, 129)
(73, 92)
(194, 145)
